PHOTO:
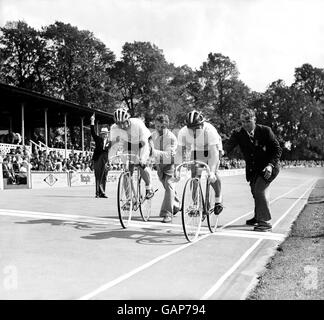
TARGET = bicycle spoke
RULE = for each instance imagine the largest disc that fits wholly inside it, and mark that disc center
(192, 209)
(124, 203)
(145, 204)
(212, 219)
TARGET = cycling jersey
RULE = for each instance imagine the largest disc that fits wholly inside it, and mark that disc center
(134, 134)
(205, 137)
(133, 137)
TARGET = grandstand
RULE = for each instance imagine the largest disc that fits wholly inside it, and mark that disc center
(28, 124)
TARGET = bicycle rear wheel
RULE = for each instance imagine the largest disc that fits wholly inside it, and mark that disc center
(124, 196)
(145, 205)
(192, 209)
(212, 219)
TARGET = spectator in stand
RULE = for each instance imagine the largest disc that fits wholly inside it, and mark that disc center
(49, 165)
(41, 164)
(22, 174)
(8, 171)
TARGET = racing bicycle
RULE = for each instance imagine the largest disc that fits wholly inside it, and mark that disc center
(131, 191)
(196, 205)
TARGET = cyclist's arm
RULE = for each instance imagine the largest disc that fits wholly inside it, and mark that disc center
(213, 161)
(169, 151)
(113, 148)
(142, 144)
(180, 155)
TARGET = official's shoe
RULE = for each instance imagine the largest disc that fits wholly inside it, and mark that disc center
(167, 219)
(218, 208)
(263, 226)
(252, 222)
(103, 196)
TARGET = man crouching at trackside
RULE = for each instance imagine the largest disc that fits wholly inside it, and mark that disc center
(261, 151)
(205, 144)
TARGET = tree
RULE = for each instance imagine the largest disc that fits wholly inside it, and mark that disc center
(295, 118)
(310, 80)
(222, 94)
(24, 57)
(141, 77)
(82, 65)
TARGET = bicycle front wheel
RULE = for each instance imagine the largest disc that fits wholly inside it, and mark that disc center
(212, 219)
(145, 205)
(192, 209)
(124, 196)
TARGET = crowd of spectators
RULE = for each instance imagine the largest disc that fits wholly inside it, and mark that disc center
(302, 163)
(55, 161)
(15, 163)
(226, 163)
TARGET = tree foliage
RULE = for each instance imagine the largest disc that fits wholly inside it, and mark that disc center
(62, 61)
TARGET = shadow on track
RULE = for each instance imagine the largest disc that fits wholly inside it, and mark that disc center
(148, 236)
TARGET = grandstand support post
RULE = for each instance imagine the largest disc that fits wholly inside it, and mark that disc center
(1, 174)
(46, 132)
(97, 127)
(23, 124)
(29, 180)
(82, 133)
(65, 135)
(10, 124)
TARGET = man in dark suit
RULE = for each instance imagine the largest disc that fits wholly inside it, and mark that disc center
(100, 158)
(261, 151)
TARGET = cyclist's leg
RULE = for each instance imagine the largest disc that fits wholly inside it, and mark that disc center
(145, 171)
(217, 186)
(195, 173)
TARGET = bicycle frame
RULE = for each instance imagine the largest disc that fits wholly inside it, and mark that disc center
(132, 199)
(129, 168)
(191, 226)
(205, 165)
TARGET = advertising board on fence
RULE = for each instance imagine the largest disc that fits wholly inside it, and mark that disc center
(82, 179)
(49, 179)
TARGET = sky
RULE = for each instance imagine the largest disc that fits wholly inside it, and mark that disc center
(267, 39)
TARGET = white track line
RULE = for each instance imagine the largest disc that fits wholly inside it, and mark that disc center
(87, 219)
(139, 224)
(252, 234)
(274, 200)
(56, 216)
(120, 279)
(226, 275)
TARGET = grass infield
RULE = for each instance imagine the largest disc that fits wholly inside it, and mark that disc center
(296, 271)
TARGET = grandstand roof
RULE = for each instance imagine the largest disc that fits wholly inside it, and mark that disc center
(35, 103)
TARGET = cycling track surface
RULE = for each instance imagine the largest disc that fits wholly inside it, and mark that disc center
(65, 244)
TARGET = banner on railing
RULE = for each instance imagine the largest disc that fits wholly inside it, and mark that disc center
(81, 178)
(48, 179)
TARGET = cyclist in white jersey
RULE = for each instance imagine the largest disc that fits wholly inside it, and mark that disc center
(135, 137)
(205, 144)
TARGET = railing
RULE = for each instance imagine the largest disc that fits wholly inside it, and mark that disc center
(42, 146)
(6, 147)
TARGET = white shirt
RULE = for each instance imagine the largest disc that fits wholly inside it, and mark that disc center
(136, 132)
(205, 137)
(164, 145)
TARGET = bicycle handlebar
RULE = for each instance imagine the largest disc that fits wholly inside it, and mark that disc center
(124, 155)
(194, 162)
